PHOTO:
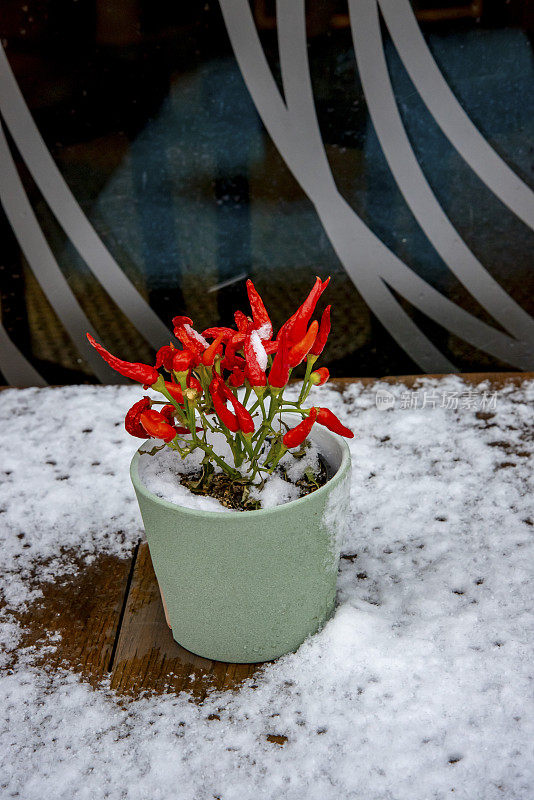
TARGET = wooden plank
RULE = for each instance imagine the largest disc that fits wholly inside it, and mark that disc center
(496, 379)
(147, 657)
(79, 616)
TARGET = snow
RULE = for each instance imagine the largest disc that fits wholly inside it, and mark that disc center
(336, 518)
(275, 492)
(419, 687)
(265, 331)
(161, 474)
(196, 335)
(296, 467)
(259, 350)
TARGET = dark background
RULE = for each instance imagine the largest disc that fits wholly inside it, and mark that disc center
(143, 107)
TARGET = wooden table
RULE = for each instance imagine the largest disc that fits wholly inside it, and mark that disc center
(111, 621)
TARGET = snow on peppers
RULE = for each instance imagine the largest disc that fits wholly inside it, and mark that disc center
(262, 324)
(190, 338)
(256, 360)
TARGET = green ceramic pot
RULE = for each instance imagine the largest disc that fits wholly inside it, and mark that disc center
(249, 586)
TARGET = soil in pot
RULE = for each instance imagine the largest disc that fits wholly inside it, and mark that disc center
(237, 496)
(194, 484)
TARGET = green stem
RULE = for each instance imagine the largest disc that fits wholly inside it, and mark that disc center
(205, 421)
(247, 446)
(295, 411)
(218, 460)
(266, 426)
(310, 361)
(160, 387)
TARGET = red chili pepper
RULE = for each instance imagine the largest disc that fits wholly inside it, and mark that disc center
(156, 425)
(183, 360)
(190, 338)
(168, 411)
(224, 414)
(180, 321)
(297, 324)
(254, 370)
(246, 423)
(299, 351)
(262, 323)
(230, 359)
(295, 436)
(237, 378)
(322, 336)
(243, 323)
(235, 363)
(212, 333)
(319, 376)
(194, 383)
(279, 374)
(143, 373)
(131, 421)
(329, 420)
(164, 357)
(270, 347)
(175, 391)
(208, 356)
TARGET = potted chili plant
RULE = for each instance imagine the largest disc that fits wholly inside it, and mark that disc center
(251, 580)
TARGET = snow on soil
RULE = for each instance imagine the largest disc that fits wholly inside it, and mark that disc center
(420, 686)
(161, 474)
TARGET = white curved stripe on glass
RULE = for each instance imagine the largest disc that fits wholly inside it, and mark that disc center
(302, 149)
(344, 226)
(411, 180)
(39, 256)
(449, 114)
(295, 132)
(68, 212)
(15, 368)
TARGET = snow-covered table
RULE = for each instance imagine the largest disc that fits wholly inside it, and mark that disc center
(419, 687)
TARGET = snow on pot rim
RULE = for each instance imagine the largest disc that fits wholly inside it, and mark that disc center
(332, 447)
